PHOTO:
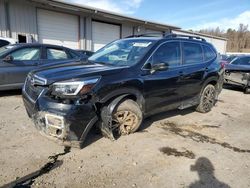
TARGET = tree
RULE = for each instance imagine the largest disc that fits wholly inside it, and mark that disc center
(238, 41)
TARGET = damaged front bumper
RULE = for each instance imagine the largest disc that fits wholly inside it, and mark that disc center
(68, 124)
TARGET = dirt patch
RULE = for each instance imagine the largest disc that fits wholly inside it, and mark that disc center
(176, 153)
(198, 137)
(29, 179)
(225, 114)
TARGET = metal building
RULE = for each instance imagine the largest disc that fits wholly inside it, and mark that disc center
(71, 25)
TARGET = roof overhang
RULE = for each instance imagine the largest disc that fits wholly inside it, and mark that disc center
(201, 34)
(99, 12)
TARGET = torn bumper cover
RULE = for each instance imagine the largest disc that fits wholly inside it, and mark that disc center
(68, 124)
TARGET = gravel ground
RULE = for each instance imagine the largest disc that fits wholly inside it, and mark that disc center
(173, 149)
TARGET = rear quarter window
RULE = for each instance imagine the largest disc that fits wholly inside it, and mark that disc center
(192, 53)
(209, 54)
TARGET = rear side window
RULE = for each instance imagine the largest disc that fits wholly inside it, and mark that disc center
(3, 43)
(168, 53)
(74, 55)
(209, 54)
(53, 53)
(242, 61)
(192, 53)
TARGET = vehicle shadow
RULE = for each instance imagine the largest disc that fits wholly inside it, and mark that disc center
(10, 93)
(205, 169)
(163, 115)
(233, 87)
(95, 134)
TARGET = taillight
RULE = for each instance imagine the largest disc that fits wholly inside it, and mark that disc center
(223, 64)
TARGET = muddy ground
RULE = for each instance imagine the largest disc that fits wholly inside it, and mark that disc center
(173, 149)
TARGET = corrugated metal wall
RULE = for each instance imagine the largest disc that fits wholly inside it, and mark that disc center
(22, 18)
(3, 32)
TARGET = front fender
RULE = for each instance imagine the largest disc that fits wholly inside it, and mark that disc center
(106, 126)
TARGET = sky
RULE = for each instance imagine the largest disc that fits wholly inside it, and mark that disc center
(187, 14)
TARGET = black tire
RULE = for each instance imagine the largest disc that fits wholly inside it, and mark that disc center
(247, 90)
(128, 116)
(207, 99)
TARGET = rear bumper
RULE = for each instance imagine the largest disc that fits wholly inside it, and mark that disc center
(68, 124)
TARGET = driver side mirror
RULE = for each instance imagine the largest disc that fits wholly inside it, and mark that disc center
(159, 67)
(8, 58)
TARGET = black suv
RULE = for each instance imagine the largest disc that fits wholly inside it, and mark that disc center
(121, 84)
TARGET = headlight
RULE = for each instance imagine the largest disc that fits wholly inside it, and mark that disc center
(72, 88)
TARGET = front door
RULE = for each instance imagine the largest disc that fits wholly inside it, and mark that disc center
(161, 88)
(14, 72)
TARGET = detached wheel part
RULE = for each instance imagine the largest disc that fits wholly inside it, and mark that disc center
(127, 117)
(247, 90)
(207, 99)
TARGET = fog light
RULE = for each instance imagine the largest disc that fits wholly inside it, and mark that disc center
(54, 121)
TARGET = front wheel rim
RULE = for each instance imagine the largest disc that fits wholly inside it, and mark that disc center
(125, 121)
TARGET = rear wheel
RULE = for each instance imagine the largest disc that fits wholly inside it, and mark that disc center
(207, 99)
(127, 117)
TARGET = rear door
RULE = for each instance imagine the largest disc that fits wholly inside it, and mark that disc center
(55, 54)
(192, 71)
(161, 88)
(24, 60)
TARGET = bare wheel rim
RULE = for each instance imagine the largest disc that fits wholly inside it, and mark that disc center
(125, 121)
(208, 99)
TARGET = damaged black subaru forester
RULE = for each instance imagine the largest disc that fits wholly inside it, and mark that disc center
(121, 84)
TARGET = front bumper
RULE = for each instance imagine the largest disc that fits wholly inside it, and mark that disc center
(67, 124)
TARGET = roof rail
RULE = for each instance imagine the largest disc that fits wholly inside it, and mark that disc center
(173, 35)
(166, 35)
(146, 35)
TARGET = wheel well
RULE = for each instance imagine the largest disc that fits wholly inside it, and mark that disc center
(129, 96)
(213, 82)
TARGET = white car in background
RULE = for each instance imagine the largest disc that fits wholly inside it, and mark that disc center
(6, 41)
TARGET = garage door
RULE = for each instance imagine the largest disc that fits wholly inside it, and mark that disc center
(103, 33)
(58, 28)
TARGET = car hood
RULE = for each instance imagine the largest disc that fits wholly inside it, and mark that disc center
(61, 64)
(243, 68)
(67, 72)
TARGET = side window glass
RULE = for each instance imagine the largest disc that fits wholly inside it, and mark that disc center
(168, 53)
(192, 53)
(74, 55)
(245, 61)
(53, 54)
(26, 54)
(209, 54)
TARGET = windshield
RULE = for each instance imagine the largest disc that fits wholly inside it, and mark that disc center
(122, 52)
(5, 49)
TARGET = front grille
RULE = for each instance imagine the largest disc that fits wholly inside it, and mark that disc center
(31, 89)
